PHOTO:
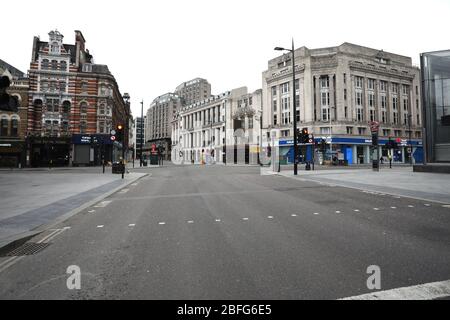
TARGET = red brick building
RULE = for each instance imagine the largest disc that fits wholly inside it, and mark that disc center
(73, 105)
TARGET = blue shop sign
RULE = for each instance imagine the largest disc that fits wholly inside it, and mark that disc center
(368, 141)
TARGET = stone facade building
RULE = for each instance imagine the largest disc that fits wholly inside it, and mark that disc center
(224, 128)
(340, 90)
(159, 118)
(73, 104)
(193, 91)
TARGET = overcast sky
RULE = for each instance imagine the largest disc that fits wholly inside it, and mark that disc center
(151, 46)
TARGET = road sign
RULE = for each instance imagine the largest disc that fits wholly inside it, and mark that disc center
(113, 138)
(374, 125)
(113, 132)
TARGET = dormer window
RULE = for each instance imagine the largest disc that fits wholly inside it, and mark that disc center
(54, 47)
(87, 67)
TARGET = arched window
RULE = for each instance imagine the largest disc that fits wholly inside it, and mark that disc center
(15, 127)
(63, 66)
(54, 48)
(44, 64)
(66, 107)
(4, 126)
(83, 107)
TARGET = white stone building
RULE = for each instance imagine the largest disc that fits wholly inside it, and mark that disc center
(340, 90)
(224, 128)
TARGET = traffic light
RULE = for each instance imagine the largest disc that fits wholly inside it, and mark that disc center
(305, 135)
(119, 133)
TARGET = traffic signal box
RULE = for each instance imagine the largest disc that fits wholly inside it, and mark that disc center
(119, 133)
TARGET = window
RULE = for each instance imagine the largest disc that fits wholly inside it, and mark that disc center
(418, 120)
(44, 86)
(418, 134)
(285, 88)
(52, 105)
(417, 90)
(4, 127)
(371, 84)
(371, 100)
(285, 102)
(83, 126)
(386, 132)
(83, 108)
(324, 130)
(359, 114)
(346, 112)
(394, 103)
(396, 119)
(345, 94)
(45, 64)
(383, 102)
(358, 82)
(63, 66)
(383, 86)
(54, 65)
(359, 98)
(345, 78)
(14, 127)
(297, 114)
(66, 107)
(398, 133)
(285, 133)
(324, 82)
(54, 47)
(274, 91)
(250, 123)
(361, 131)
(274, 119)
(349, 130)
(394, 87)
(297, 85)
(325, 114)
(250, 101)
(102, 109)
(383, 116)
(62, 86)
(405, 104)
(405, 89)
(372, 114)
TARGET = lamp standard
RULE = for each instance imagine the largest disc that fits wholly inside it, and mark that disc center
(294, 114)
(142, 132)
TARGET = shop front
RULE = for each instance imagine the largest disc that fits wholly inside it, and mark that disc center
(49, 151)
(90, 149)
(12, 153)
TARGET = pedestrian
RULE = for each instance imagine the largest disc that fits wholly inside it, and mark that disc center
(381, 160)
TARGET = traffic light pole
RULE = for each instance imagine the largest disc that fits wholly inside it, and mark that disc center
(294, 114)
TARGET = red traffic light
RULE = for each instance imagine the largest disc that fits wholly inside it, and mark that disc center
(119, 127)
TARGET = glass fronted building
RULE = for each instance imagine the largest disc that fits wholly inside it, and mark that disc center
(435, 68)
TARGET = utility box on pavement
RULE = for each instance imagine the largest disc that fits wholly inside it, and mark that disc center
(118, 167)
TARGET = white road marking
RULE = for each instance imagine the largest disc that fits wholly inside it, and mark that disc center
(124, 190)
(376, 209)
(316, 213)
(102, 204)
(134, 184)
(91, 211)
(132, 225)
(245, 219)
(269, 217)
(100, 226)
(338, 212)
(393, 207)
(427, 291)
(446, 206)
(162, 223)
(397, 197)
(293, 215)
(190, 221)
(427, 205)
(356, 210)
(410, 206)
(217, 220)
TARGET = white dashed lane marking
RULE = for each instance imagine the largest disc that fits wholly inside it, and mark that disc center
(102, 204)
(427, 205)
(100, 226)
(356, 210)
(91, 211)
(376, 209)
(316, 213)
(217, 220)
(293, 215)
(269, 217)
(161, 223)
(245, 219)
(338, 211)
(410, 206)
(132, 225)
(393, 207)
(124, 190)
(190, 222)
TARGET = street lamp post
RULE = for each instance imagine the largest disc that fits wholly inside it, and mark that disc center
(294, 114)
(142, 132)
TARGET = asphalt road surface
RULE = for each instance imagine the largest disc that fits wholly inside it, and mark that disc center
(216, 232)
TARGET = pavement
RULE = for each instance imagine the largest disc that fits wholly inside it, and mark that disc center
(219, 232)
(400, 180)
(33, 199)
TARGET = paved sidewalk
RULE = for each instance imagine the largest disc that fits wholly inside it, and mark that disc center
(31, 200)
(400, 181)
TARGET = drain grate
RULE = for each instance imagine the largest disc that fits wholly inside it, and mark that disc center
(26, 249)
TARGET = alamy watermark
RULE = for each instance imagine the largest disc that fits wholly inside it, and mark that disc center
(74, 280)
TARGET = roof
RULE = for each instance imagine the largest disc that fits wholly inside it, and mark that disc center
(14, 71)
